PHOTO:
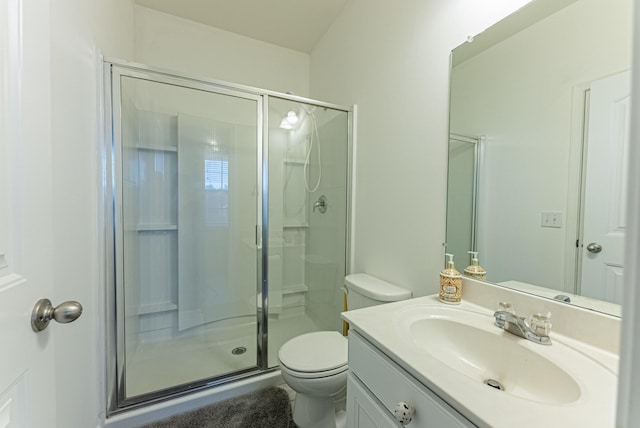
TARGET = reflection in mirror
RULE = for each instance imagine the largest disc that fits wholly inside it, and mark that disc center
(462, 194)
(539, 118)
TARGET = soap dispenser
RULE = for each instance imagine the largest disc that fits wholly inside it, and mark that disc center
(474, 270)
(450, 283)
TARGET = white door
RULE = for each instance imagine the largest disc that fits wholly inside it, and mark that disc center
(27, 396)
(605, 188)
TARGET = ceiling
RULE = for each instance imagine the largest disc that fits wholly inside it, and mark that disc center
(293, 24)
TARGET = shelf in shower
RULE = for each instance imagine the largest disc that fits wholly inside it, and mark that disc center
(154, 308)
(156, 227)
(294, 288)
(157, 148)
(295, 226)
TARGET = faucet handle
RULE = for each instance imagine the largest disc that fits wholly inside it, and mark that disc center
(502, 313)
(506, 307)
(541, 324)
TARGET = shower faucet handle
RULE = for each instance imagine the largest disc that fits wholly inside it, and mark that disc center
(321, 204)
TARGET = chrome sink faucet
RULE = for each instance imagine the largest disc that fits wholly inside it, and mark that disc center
(537, 331)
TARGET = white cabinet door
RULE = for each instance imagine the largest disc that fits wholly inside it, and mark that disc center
(363, 410)
(390, 385)
(605, 188)
(27, 396)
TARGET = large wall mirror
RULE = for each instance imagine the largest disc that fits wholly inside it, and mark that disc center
(537, 150)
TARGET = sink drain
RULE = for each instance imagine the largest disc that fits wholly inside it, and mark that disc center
(239, 350)
(494, 384)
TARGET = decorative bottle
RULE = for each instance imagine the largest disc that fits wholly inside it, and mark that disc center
(450, 283)
(474, 270)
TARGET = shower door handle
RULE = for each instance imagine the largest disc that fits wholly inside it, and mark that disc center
(64, 313)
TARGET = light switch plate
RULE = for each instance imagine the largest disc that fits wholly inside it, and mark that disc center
(551, 219)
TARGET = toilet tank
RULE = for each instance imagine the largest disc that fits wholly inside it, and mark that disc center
(365, 290)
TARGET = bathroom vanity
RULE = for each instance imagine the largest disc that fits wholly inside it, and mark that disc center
(453, 367)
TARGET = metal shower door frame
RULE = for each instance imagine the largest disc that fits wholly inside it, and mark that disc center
(116, 400)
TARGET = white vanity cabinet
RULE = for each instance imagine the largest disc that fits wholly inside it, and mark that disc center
(376, 385)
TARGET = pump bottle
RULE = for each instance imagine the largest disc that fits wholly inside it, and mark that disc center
(474, 270)
(450, 284)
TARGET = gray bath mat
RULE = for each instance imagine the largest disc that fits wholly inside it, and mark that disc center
(267, 408)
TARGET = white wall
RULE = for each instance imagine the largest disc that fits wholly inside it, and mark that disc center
(494, 96)
(78, 30)
(178, 44)
(393, 61)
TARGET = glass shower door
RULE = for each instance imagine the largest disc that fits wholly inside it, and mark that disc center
(187, 192)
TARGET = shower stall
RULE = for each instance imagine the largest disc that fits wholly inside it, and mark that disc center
(229, 210)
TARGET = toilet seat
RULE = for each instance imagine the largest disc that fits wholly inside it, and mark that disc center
(314, 355)
(313, 375)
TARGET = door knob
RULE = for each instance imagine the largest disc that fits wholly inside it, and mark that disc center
(594, 248)
(43, 312)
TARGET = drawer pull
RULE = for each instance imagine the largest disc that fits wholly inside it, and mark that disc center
(404, 412)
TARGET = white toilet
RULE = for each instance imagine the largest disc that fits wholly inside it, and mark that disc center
(315, 364)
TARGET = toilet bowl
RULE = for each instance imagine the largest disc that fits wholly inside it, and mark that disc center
(315, 364)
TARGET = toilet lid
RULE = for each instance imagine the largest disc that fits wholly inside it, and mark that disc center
(315, 352)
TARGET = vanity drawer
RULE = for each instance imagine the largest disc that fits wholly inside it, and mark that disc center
(390, 384)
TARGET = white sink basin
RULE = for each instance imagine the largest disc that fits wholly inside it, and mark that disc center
(492, 356)
(453, 350)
